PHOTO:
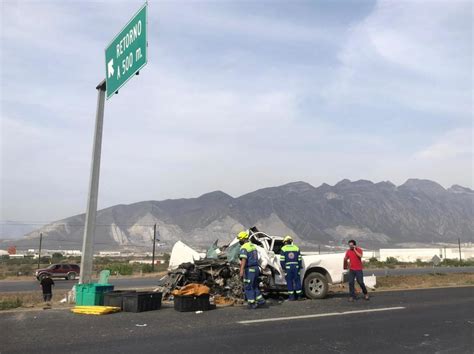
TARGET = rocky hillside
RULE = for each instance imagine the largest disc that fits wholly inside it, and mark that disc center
(378, 214)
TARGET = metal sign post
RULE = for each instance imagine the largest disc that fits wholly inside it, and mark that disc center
(91, 212)
(124, 57)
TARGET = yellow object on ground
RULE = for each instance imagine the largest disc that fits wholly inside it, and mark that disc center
(95, 310)
(223, 301)
(192, 290)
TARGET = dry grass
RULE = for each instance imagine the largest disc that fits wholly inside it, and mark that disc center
(424, 280)
(29, 299)
(416, 281)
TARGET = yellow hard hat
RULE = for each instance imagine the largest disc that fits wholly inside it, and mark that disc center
(287, 238)
(243, 235)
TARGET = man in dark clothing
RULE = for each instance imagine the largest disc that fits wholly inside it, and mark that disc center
(47, 284)
(354, 256)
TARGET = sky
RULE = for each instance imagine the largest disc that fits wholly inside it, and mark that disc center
(236, 96)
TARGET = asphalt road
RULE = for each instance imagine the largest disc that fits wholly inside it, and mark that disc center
(120, 283)
(32, 285)
(421, 321)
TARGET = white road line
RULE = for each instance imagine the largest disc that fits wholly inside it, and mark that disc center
(320, 315)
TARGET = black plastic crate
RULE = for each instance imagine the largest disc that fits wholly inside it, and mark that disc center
(192, 303)
(141, 301)
(115, 298)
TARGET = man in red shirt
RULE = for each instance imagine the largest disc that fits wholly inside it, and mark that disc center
(354, 256)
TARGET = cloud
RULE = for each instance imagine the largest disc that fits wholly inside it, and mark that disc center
(398, 57)
(457, 143)
(224, 21)
(230, 100)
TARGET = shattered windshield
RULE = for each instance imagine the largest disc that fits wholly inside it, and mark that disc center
(233, 253)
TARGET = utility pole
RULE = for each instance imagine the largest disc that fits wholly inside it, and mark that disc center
(154, 243)
(39, 250)
(91, 212)
(459, 245)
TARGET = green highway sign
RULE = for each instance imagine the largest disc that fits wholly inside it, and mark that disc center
(127, 53)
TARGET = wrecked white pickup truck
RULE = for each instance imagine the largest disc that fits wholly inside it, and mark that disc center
(219, 269)
(319, 270)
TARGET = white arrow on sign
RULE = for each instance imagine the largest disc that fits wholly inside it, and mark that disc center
(110, 68)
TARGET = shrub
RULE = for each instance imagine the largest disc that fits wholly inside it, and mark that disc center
(147, 268)
(456, 263)
(374, 263)
(420, 263)
(119, 268)
(25, 269)
(10, 304)
(391, 261)
(56, 257)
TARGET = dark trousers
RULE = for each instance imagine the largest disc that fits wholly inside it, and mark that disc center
(47, 297)
(293, 282)
(252, 292)
(359, 275)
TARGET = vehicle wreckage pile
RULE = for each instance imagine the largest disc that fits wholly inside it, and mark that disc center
(218, 270)
(219, 275)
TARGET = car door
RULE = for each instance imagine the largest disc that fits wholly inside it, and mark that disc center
(56, 271)
(65, 269)
(275, 258)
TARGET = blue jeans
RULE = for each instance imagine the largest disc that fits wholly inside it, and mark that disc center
(359, 275)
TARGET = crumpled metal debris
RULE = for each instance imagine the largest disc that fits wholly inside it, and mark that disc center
(220, 273)
(218, 268)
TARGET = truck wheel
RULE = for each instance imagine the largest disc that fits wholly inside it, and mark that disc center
(316, 286)
(71, 276)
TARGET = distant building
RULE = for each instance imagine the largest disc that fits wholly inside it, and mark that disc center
(36, 255)
(148, 261)
(15, 256)
(424, 254)
(110, 254)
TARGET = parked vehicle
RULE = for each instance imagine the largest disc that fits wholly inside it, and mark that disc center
(61, 270)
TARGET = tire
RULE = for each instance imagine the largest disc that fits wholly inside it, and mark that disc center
(71, 276)
(316, 286)
(42, 276)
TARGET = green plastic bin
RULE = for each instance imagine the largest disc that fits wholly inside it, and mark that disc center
(91, 294)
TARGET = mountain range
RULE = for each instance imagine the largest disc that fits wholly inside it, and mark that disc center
(376, 214)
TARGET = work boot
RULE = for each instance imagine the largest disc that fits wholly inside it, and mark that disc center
(252, 306)
(366, 297)
(261, 303)
(291, 298)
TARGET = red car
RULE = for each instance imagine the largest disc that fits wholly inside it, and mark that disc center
(62, 270)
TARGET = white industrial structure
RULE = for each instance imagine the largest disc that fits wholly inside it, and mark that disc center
(422, 254)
